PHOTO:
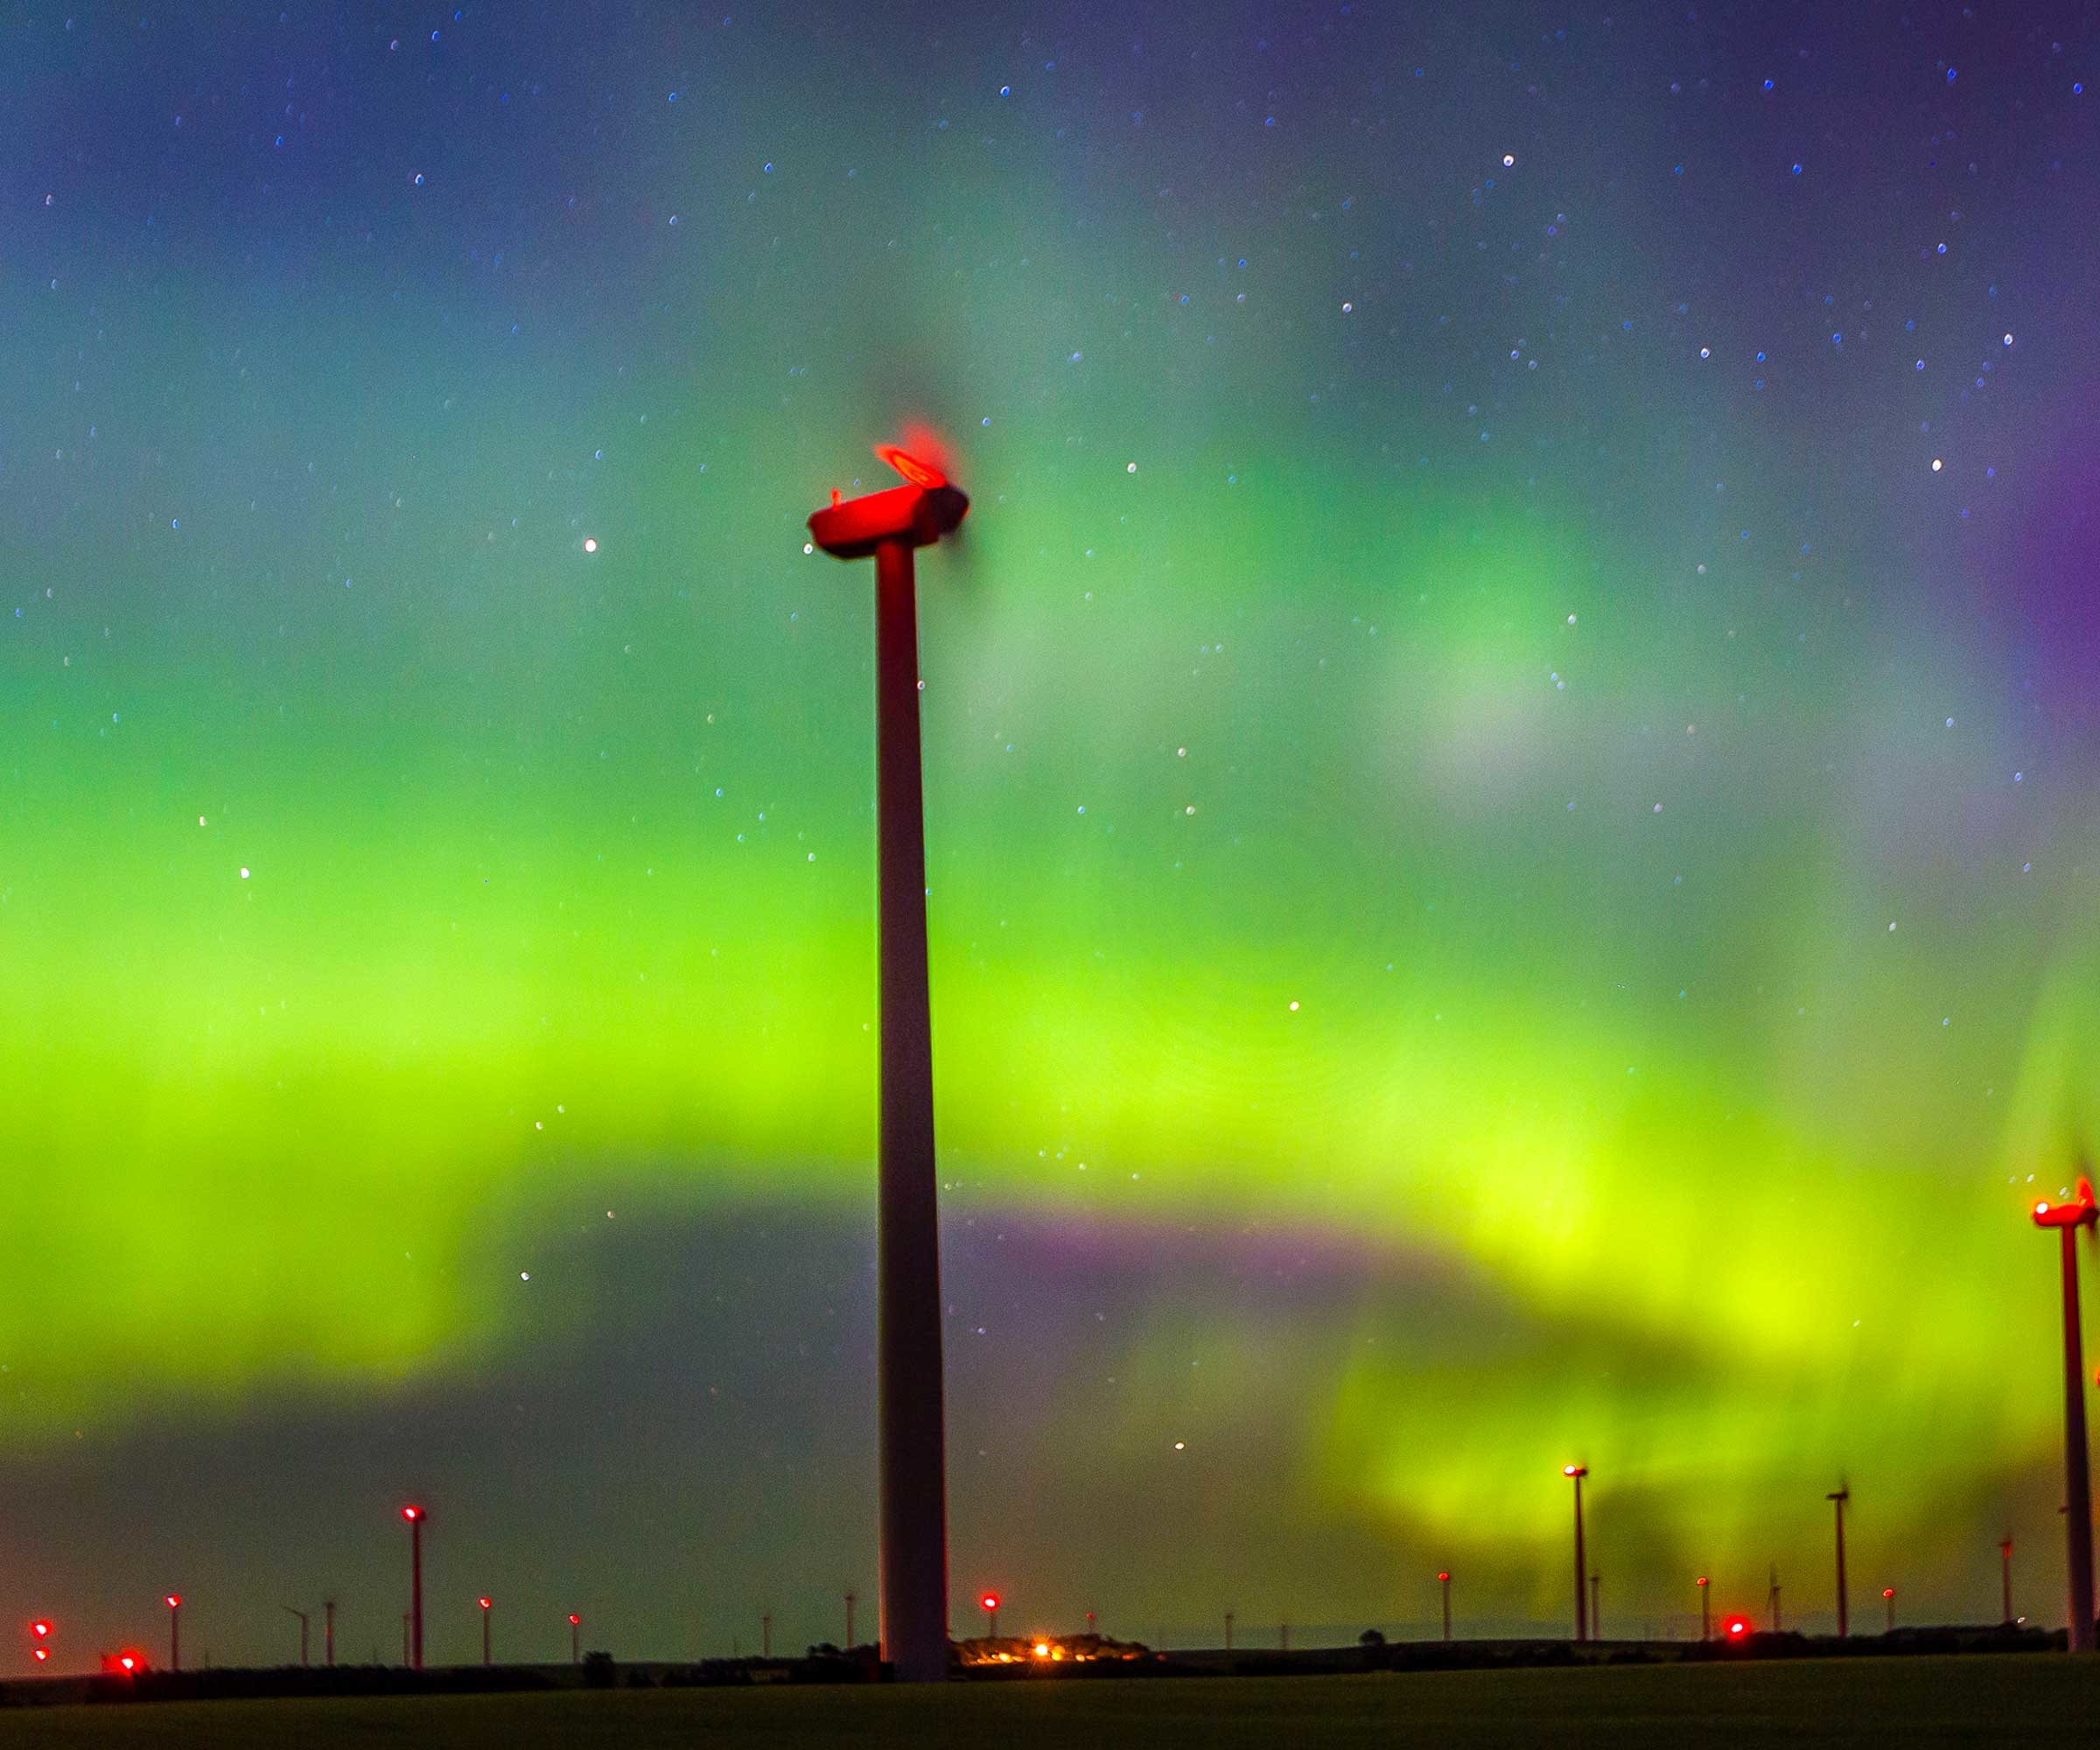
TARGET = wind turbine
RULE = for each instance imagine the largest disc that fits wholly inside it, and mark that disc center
(414, 1515)
(913, 1593)
(1575, 1474)
(1837, 1498)
(2067, 1219)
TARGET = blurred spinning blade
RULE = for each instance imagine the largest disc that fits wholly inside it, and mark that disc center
(917, 397)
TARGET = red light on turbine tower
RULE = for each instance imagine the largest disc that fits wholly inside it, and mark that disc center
(174, 1600)
(1737, 1627)
(485, 1604)
(991, 1600)
(574, 1619)
(411, 1514)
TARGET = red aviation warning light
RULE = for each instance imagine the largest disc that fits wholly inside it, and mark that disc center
(1738, 1627)
(40, 1635)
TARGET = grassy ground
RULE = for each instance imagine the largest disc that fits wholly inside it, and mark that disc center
(2017, 1698)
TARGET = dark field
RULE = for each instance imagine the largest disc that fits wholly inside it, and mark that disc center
(2027, 1699)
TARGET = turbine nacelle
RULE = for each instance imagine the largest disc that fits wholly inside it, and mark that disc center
(918, 513)
(2080, 1212)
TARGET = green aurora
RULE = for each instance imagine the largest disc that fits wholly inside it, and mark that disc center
(1548, 849)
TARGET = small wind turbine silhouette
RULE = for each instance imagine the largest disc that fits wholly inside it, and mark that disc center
(1837, 1498)
(912, 1594)
(1575, 1474)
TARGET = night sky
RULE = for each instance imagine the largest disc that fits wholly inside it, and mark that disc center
(1513, 780)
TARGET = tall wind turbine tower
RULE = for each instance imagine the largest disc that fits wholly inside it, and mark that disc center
(2067, 1219)
(890, 526)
